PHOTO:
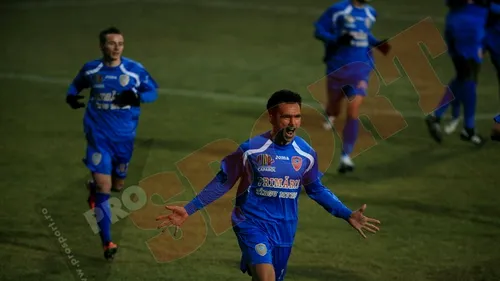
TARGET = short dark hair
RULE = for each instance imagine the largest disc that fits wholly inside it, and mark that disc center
(283, 96)
(109, 30)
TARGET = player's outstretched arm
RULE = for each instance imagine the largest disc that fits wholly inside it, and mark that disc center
(231, 171)
(360, 222)
(212, 191)
(323, 196)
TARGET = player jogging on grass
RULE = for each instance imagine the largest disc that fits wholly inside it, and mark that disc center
(118, 86)
(464, 35)
(272, 168)
(345, 29)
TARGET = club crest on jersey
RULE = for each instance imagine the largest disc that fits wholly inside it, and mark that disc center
(98, 78)
(124, 79)
(297, 163)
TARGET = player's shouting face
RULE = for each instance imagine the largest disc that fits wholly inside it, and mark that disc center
(285, 119)
(112, 48)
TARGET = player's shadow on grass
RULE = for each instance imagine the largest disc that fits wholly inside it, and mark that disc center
(66, 211)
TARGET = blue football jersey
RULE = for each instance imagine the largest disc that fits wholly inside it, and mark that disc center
(102, 117)
(271, 178)
(341, 18)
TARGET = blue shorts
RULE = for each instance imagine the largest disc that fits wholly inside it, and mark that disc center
(108, 157)
(256, 248)
(350, 79)
(464, 36)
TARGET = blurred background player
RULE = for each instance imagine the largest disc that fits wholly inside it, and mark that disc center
(345, 30)
(492, 46)
(273, 167)
(464, 35)
(495, 132)
(118, 86)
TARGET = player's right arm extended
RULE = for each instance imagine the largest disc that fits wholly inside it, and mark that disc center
(72, 95)
(78, 84)
(323, 27)
(230, 172)
(214, 190)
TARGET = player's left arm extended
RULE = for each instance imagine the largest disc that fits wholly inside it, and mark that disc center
(148, 90)
(321, 194)
(324, 197)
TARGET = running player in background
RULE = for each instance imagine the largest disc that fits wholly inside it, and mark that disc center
(464, 33)
(492, 46)
(118, 86)
(345, 30)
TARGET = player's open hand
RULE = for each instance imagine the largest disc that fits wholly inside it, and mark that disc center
(360, 222)
(177, 217)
